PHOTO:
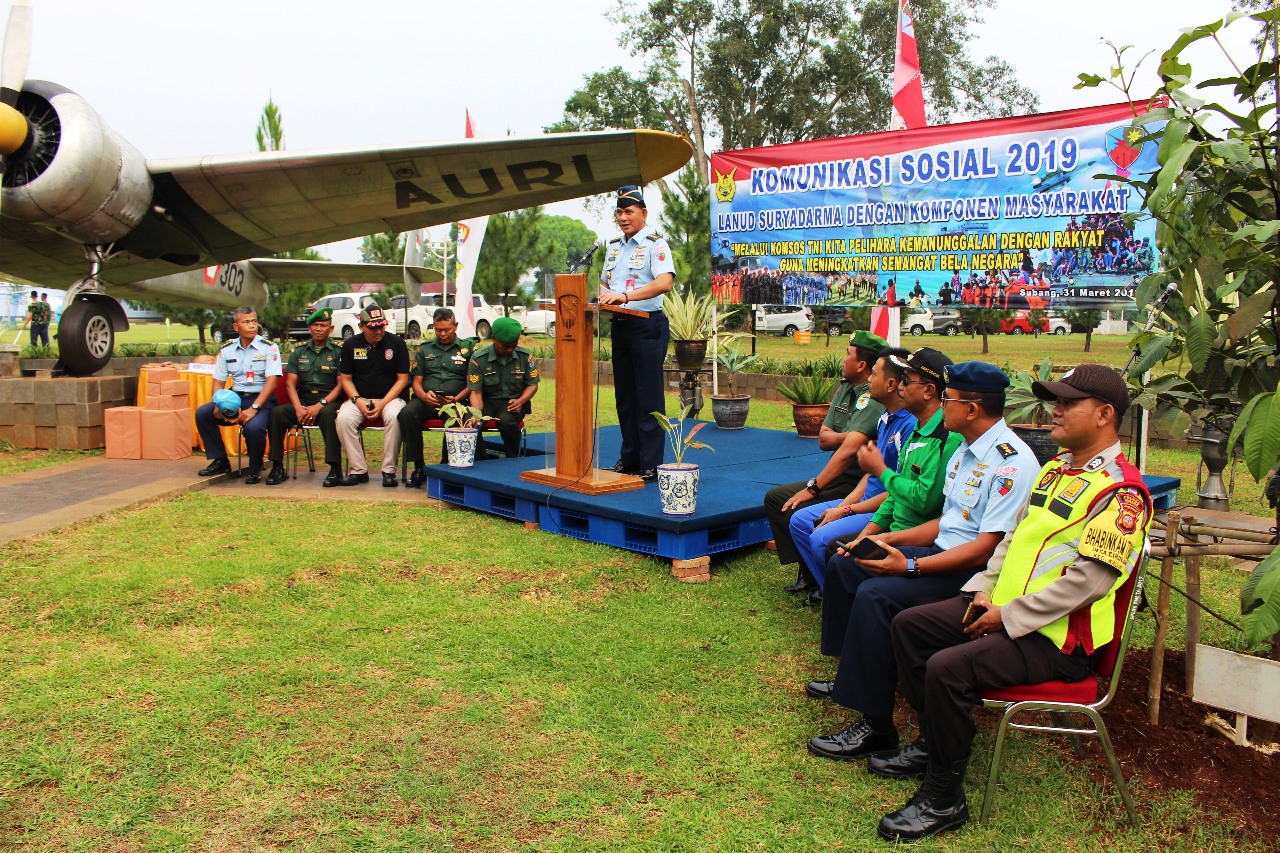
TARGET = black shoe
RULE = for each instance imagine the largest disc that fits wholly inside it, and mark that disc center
(801, 585)
(813, 599)
(910, 762)
(854, 742)
(649, 475)
(619, 468)
(389, 481)
(216, 466)
(277, 476)
(354, 480)
(820, 689)
(938, 806)
(417, 478)
(333, 478)
(253, 478)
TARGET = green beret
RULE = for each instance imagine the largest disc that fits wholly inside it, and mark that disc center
(506, 330)
(864, 339)
(320, 315)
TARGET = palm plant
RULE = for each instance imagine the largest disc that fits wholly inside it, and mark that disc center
(680, 440)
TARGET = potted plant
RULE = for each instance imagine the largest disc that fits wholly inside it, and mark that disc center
(678, 481)
(810, 398)
(692, 320)
(460, 437)
(730, 410)
(1028, 414)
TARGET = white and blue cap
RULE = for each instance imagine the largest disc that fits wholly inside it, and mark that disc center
(227, 402)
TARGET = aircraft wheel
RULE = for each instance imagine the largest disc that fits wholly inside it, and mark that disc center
(415, 331)
(85, 338)
(551, 330)
(483, 331)
(347, 332)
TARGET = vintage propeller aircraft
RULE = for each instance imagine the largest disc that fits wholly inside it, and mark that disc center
(77, 198)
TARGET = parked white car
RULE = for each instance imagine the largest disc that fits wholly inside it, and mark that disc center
(786, 320)
(541, 320)
(346, 312)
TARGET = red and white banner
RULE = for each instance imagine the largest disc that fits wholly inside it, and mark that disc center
(908, 90)
(470, 238)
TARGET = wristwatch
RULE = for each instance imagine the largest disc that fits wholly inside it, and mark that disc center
(912, 571)
(812, 485)
(255, 407)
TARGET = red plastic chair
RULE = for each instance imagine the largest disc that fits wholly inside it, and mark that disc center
(1061, 699)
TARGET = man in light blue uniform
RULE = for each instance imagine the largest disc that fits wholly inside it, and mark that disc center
(638, 270)
(253, 365)
(989, 478)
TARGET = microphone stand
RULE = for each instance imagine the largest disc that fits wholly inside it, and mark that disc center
(1153, 313)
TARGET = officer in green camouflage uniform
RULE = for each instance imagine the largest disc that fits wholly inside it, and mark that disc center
(502, 379)
(38, 315)
(311, 380)
(439, 376)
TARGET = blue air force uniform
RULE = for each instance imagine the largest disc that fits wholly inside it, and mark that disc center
(249, 368)
(639, 343)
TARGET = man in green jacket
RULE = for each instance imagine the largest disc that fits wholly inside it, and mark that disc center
(502, 380)
(439, 377)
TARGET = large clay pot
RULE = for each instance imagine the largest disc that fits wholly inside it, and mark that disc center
(678, 488)
(808, 419)
(690, 355)
(461, 444)
(1037, 438)
(730, 412)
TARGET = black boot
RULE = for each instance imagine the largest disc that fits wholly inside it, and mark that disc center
(939, 806)
(910, 762)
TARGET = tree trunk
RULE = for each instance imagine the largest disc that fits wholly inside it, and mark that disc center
(1088, 339)
(984, 340)
(699, 150)
(200, 329)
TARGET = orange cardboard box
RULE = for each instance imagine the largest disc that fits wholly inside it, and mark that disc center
(122, 428)
(157, 375)
(173, 388)
(166, 434)
(170, 403)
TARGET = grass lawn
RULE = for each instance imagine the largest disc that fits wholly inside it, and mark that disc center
(228, 673)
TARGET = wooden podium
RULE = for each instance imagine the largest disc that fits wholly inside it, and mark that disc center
(575, 427)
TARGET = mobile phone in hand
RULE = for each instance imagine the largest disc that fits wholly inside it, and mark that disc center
(865, 549)
(972, 614)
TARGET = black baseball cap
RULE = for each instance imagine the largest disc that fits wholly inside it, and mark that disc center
(1087, 380)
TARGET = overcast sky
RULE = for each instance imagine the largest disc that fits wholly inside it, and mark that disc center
(180, 78)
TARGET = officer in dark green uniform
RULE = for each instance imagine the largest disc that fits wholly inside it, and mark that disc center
(503, 379)
(311, 380)
(439, 376)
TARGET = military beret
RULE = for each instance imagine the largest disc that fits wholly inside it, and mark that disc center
(227, 402)
(1087, 380)
(977, 376)
(320, 315)
(373, 315)
(506, 330)
(864, 339)
(630, 195)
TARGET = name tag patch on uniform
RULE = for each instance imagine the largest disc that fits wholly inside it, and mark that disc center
(1106, 546)
(360, 352)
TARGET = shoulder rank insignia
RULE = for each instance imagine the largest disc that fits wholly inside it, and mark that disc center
(654, 236)
(616, 240)
(1006, 449)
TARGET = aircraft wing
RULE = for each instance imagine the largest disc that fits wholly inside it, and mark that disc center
(330, 272)
(217, 209)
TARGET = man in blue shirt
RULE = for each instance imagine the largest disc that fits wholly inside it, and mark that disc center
(989, 478)
(638, 269)
(815, 526)
(252, 364)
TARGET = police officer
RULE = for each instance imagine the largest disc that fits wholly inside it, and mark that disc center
(638, 270)
(988, 479)
(311, 381)
(1043, 604)
(252, 363)
(439, 376)
(502, 379)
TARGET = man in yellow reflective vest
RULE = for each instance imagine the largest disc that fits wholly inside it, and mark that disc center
(1038, 612)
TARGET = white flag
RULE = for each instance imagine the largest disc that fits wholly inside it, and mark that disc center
(470, 237)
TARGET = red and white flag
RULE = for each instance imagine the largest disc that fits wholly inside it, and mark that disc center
(908, 91)
(470, 236)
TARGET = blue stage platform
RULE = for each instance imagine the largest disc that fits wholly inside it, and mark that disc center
(746, 464)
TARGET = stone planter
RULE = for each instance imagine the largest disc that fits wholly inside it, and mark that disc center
(461, 444)
(690, 355)
(808, 418)
(1037, 438)
(730, 412)
(678, 488)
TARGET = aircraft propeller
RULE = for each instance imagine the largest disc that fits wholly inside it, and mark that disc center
(14, 56)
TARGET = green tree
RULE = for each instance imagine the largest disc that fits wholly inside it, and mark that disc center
(984, 321)
(386, 247)
(567, 241)
(270, 132)
(686, 221)
(512, 247)
(1089, 318)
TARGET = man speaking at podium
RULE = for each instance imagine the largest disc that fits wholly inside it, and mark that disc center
(637, 270)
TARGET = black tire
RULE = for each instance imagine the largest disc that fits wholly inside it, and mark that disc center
(415, 331)
(1061, 330)
(483, 331)
(347, 332)
(551, 329)
(917, 330)
(951, 331)
(789, 331)
(1017, 330)
(216, 334)
(833, 329)
(86, 338)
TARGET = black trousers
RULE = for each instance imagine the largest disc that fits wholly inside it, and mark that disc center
(283, 418)
(780, 522)
(508, 425)
(411, 418)
(941, 671)
(639, 348)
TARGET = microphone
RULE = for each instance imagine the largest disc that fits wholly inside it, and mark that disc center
(586, 259)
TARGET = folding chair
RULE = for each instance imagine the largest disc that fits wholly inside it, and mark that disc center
(1061, 698)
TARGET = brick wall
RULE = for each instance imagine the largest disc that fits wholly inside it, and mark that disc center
(63, 413)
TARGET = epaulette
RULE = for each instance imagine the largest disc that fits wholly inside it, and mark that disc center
(616, 240)
(654, 236)
(230, 342)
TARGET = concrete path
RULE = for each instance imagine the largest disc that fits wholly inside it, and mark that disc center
(35, 502)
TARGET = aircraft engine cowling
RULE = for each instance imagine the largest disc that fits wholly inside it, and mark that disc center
(74, 173)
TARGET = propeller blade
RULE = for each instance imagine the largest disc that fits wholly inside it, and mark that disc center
(16, 52)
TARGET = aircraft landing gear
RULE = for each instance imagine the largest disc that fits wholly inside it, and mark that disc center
(86, 338)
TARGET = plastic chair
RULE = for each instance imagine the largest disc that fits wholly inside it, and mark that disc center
(1061, 698)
